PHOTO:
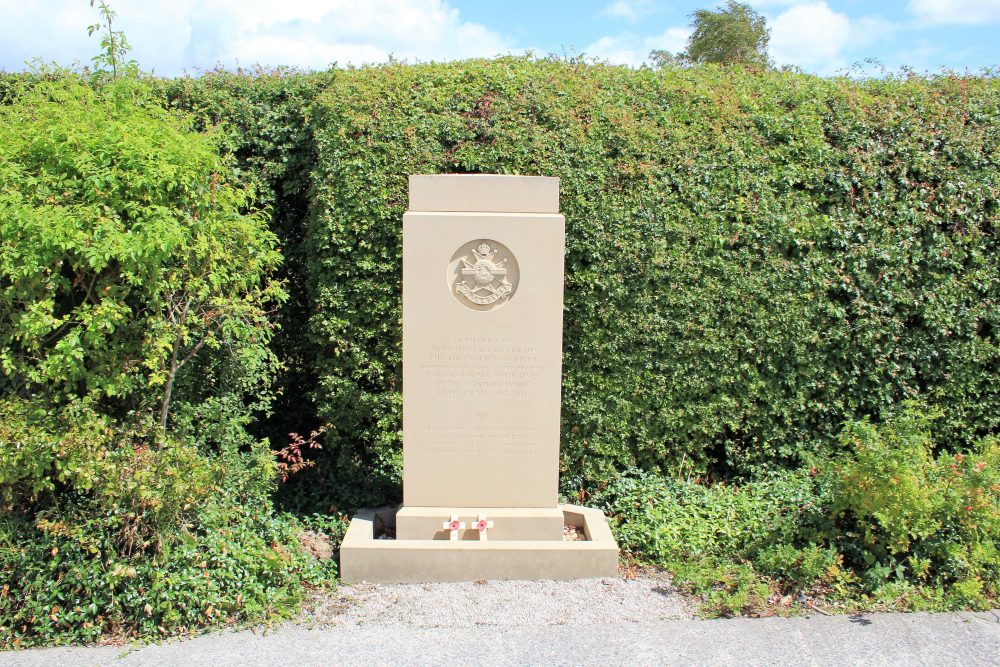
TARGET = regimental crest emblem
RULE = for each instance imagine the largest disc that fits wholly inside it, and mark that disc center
(487, 277)
(485, 274)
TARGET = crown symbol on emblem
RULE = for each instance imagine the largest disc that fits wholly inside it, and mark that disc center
(484, 252)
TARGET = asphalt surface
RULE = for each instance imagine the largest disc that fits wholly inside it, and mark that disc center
(878, 639)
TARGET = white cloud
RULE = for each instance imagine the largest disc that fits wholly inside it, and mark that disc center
(629, 10)
(868, 30)
(811, 36)
(169, 35)
(629, 49)
(814, 37)
(671, 39)
(937, 12)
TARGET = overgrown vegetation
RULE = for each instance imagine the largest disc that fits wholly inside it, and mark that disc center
(781, 354)
(886, 524)
(136, 286)
(262, 120)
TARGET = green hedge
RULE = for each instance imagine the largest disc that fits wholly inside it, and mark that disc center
(752, 258)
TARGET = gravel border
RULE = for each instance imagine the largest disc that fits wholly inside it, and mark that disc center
(499, 603)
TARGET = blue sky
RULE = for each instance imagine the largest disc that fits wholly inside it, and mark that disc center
(174, 36)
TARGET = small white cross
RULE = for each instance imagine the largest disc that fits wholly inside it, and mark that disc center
(483, 524)
(453, 525)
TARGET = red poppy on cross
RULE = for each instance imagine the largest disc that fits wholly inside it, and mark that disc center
(482, 525)
(453, 525)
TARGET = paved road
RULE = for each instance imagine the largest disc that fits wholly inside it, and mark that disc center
(882, 639)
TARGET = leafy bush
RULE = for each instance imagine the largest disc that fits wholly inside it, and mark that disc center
(752, 258)
(903, 514)
(43, 447)
(885, 523)
(263, 117)
(181, 543)
(126, 249)
(136, 289)
(717, 540)
(666, 518)
(799, 569)
(724, 589)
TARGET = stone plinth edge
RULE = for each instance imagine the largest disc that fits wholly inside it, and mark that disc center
(363, 558)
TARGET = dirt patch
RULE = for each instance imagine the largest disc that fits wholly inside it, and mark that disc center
(316, 544)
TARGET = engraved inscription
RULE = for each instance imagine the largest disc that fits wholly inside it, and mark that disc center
(482, 368)
(483, 274)
(507, 440)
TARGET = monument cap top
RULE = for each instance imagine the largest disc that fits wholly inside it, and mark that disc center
(487, 193)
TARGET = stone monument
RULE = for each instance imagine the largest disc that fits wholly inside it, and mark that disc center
(482, 367)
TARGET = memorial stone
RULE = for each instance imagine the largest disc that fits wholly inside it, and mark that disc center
(482, 369)
(482, 354)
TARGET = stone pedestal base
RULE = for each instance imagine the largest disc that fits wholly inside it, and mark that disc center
(363, 558)
(509, 523)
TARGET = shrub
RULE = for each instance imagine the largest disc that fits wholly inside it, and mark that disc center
(180, 544)
(126, 251)
(136, 289)
(667, 519)
(262, 117)
(718, 540)
(798, 569)
(886, 523)
(42, 447)
(903, 514)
